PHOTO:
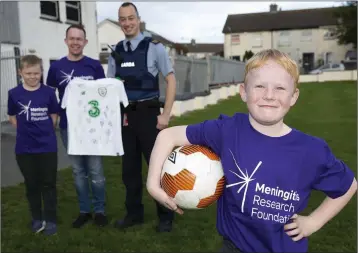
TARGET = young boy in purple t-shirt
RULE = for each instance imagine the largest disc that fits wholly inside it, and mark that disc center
(270, 168)
(33, 109)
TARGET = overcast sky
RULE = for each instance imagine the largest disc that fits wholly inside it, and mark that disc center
(202, 21)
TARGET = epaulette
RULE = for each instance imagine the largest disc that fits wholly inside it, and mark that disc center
(155, 41)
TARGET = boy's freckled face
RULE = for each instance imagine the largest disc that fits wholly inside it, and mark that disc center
(269, 93)
(31, 75)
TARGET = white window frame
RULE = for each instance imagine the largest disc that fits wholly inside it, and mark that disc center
(57, 17)
(257, 40)
(232, 39)
(284, 38)
(78, 7)
(306, 35)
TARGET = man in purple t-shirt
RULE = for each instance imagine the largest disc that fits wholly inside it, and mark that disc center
(87, 170)
(270, 168)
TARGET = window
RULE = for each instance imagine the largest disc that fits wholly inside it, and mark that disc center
(73, 12)
(50, 10)
(284, 38)
(104, 47)
(306, 35)
(235, 38)
(257, 40)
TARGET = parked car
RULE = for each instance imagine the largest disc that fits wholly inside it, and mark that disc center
(328, 67)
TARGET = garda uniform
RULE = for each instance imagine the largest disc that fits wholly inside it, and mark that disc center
(137, 63)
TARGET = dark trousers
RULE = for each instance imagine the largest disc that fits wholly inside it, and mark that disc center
(228, 246)
(138, 138)
(40, 174)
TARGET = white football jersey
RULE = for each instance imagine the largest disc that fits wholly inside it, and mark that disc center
(94, 116)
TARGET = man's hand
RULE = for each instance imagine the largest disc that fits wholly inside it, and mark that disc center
(163, 121)
(301, 226)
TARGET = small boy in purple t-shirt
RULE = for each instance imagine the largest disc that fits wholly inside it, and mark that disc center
(33, 109)
(270, 168)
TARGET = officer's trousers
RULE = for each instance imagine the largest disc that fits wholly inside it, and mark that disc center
(139, 135)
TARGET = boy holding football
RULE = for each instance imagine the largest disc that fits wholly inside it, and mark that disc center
(32, 109)
(270, 168)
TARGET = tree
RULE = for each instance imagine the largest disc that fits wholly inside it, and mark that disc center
(248, 55)
(346, 30)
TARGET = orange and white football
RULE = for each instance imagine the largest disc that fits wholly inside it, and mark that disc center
(193, 176)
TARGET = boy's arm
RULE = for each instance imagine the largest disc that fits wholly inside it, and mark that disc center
(54, 118)
(331, 207)
(54, 107)
(166, 140)
(11, 109)
(337, 181)
(13, 120)
(207, 133)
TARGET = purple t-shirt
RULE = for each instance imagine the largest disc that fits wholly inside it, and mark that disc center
(61, 72)
(268, 180)
(35, 131)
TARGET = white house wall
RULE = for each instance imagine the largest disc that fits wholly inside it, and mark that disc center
(109, 33)
(295, 48)
(47, 37)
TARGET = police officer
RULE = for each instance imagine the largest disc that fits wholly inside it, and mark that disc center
(137, 61)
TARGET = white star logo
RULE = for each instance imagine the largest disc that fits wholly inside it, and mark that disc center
(246, 179)
(25, 109)
(66, 77)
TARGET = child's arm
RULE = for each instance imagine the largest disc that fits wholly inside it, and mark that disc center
(337, 181)
(13, 121)
(54, 118)
(11, 109)
(54, 107)
(304, 226)
(207, 133)
(166, 140)
(331, 207)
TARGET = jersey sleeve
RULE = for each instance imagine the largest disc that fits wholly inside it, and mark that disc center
(333, 177)
(65, 97)
(163, 61)
(207, 133)
(123, 95)
(11, 106)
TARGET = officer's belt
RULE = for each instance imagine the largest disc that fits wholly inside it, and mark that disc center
(148, 103)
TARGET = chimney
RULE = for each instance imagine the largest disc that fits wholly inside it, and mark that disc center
(142, 26)
(192, 42)
(273, 7)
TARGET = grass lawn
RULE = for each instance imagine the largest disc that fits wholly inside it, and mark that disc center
(327, 110)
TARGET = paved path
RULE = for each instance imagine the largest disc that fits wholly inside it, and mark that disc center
(10, 174)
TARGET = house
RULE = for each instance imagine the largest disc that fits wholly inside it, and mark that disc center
(201, 50)
(110, 33)
(306, 35)
(39, 27)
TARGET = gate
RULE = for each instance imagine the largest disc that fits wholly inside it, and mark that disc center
(10, 63)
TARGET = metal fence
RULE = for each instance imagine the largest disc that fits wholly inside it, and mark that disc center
(196, 77)
(9, 65)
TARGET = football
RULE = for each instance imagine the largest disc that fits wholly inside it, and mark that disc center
(193, 176)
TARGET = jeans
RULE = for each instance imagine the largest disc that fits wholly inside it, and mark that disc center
(40, 174)
(87, 168)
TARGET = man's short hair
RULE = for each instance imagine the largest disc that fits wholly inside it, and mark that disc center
(76, 26)
(126, 4)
